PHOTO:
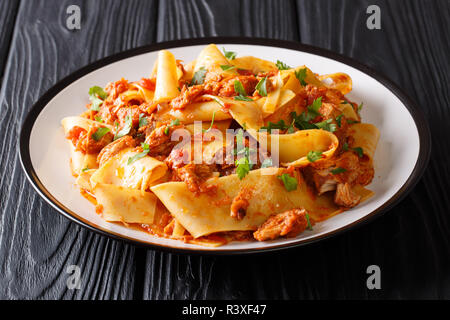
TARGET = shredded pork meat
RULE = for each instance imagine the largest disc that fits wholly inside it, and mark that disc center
(289, 223)
(195, 175)
(240, 204)
(345, 196)
(114, 148)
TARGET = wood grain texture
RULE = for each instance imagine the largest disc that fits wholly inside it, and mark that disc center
(410, 243)
(8, 12)
(37, 244)
(412, 50)
(178, 19)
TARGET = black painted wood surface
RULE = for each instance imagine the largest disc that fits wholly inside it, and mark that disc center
(410, 243)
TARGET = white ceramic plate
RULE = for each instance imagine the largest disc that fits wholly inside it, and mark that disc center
(401, 156)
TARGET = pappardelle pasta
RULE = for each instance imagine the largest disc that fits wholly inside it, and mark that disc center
(224, 148)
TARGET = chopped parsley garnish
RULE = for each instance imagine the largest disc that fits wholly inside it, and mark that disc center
(99, 133)
(326, 125)
(282, 66)
(97, 95)
(126, 129)
(280, 125)
(338, 170)
(302, 121)
(314, 156)
(290, 183)
(173, 123)
(212, 122)
(339, 119)
(145, 150)
(226, 67)
(345, 146)
(199, 76)
(239, 88)
(98, 119)
(142, 120)
(85, 169)
(360, 107)
(242, 167)
(313, 109)
(229, 54)
(301, 76)
(350, 121)
(291, 127)
(359, 151)
(242, 98)
(267, 163)
(261, 87)
(239, 140)
(308, 221)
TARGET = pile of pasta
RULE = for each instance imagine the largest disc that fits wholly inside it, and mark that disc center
(128, 162)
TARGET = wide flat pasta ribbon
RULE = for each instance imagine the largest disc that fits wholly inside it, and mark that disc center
(127, 205)
(205, 214)
(166, 78)
(365, 136)
(140, 174)
(293, 148)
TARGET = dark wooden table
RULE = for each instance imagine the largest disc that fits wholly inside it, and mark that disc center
(411, 243)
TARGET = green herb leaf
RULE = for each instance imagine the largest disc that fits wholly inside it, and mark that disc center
(290, 183)
(313, 109)
(308, 221)
(243, 167)
(326, 125)
(173, 123)
(302, 121)
(282, 66)
(99, 133)
(314, 156)
(226, 67)
(267, 163)
(126, 129)
(350, 121)
(199, 76)
(98, 119)
(280, 125)
(229, 54)
(291, 128)
(301, 76)
(338, 170)
(85, 169)
(359, 151)
(339, 119)
(145, 150)
(98, 91)
(345, 146)
(97, 95)
(242, 98)
(239, 141)
(212, 122)
(239, 88)
(360, 107)
(142, 120)
(261, 87)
